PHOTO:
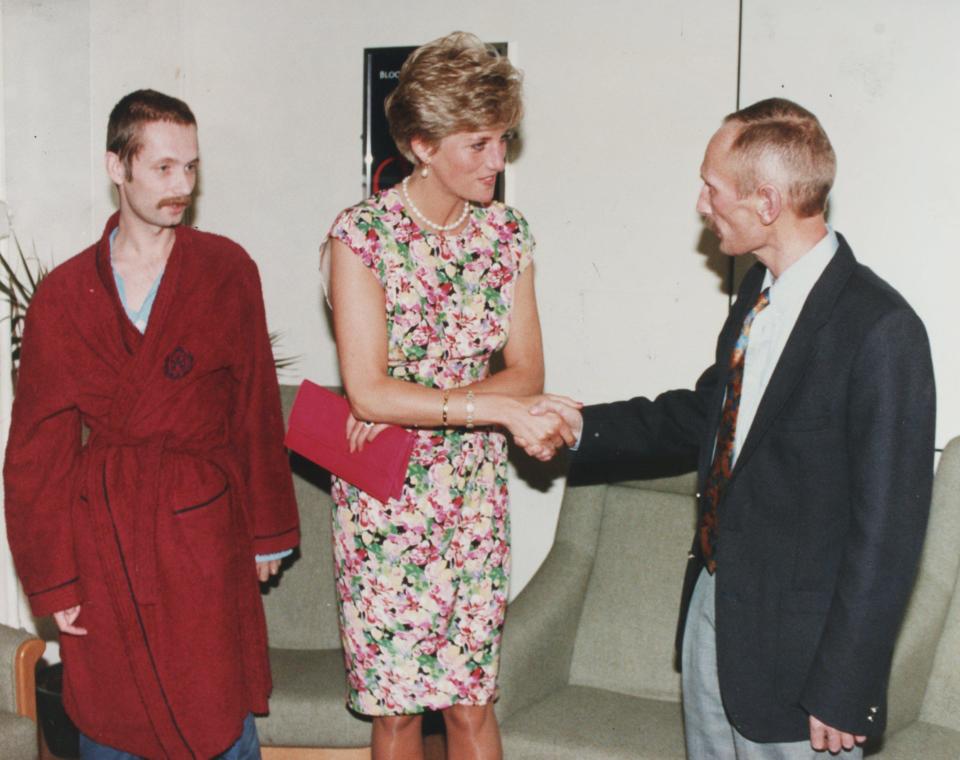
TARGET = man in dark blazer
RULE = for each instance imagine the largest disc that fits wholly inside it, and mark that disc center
(815, 461)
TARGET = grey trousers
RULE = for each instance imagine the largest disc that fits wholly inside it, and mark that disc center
(709, 734)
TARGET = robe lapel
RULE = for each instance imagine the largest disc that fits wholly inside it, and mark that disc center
(132, 380)
(799, 349)
(135, 384)
(130, 337)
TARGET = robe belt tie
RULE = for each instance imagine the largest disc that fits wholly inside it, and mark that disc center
(142, 562)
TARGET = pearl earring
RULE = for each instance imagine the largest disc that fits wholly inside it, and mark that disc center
(425, 171)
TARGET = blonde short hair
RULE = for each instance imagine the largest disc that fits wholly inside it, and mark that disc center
(791, 136)
(453, 84)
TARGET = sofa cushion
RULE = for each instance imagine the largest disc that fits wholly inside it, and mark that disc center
(918, 740)
(302, 608)
(308, 704)
(924, 680)
(941, 704)
(18, 737)
(583, 723)
(625, 641)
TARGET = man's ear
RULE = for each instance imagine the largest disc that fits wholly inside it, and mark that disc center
(769, 203)
(422, 149)
(115, 168)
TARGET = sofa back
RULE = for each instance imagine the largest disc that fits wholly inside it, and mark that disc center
(940, 607)
(302, 608)
(625, 638)
(941, 703)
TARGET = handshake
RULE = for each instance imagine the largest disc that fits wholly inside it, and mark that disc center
(539, 424)
(544, 423)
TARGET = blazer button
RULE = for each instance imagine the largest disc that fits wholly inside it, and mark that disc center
(870, 718)
(873, 710)
(697, 494)
(690, 555)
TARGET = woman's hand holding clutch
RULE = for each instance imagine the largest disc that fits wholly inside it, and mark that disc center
(360, 432)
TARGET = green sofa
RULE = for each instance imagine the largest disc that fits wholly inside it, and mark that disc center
(19, 652)
(587, 669)
(587, 663)
(307, 708)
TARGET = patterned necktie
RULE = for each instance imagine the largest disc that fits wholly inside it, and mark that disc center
(723, 456)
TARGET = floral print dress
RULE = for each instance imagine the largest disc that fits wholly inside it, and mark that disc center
(422, 579)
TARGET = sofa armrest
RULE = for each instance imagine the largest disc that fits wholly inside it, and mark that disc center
(20, 651)
(541, 629)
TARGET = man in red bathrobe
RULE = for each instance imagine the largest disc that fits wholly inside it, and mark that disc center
(145, 539)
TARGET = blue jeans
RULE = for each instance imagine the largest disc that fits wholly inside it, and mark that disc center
(247, 747)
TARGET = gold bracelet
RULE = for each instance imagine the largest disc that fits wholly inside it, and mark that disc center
(446, 406)
(470, 408)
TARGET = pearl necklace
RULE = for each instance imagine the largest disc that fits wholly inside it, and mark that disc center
(419, 214)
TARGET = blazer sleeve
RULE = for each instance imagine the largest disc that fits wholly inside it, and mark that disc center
(891, 417)
(42, 462)
(671, 426)
(258, 430)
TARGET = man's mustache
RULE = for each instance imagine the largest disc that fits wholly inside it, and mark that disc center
(177, 200)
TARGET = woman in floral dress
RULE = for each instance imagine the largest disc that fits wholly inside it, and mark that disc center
(428, 279)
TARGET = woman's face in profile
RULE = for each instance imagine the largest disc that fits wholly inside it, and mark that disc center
(467, 163)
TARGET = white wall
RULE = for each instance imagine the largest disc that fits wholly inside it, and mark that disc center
(882, 78)
(46, 88)
(13, 603)
(621, 98)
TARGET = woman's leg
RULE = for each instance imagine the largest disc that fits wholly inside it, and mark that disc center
(397, 737)
(472, 733)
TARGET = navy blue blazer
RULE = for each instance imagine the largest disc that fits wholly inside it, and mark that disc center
(823, 520)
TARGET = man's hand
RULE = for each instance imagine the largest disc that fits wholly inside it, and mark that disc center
(65, 620)
(540, 437)
(566, 408)
(556, 417)
(824, 737)
(266, 569)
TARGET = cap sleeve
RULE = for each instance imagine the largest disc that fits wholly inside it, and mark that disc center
(356, 229)
(525, 241)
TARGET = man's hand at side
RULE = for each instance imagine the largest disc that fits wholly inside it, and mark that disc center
(65, 620)
(268, 568)
(824, 737)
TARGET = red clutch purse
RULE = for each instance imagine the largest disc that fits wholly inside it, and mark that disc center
(317, 431)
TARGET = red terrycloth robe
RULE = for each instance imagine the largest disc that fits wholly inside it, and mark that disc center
(152, 524)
